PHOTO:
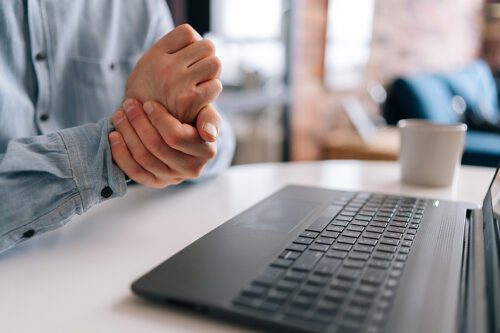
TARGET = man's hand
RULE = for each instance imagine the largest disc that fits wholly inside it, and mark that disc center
(154, 148)
(180, 71)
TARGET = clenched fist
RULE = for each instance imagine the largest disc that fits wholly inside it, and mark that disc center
(180, 72)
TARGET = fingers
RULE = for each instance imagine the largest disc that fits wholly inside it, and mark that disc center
(178, 39)
(205, 69)
(126, 162)
(209, 91)
(153, 142)
(140, 154)
(181, 137)
(208, 123)
(197, 51)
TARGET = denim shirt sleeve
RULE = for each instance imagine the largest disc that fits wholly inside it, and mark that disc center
(45, 180)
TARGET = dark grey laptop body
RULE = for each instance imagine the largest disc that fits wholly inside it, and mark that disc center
(450, 281)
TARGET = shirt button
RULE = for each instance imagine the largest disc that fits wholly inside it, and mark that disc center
(106, 192)
(40, 56)
(29, 233)
(44, 117)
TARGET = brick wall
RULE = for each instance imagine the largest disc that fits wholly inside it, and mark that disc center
(409, 36)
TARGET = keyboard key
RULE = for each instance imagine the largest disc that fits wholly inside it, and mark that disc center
(291, 255)
(349, 233)
(359, 256)
(346, 240)
(318, 280)
(347, 213)
(396, 273)
(344, 218)
(387, 248)
(367, 290)
(341, 247)
(309, 234)
(349, 273)
(335, 228)
(379, 263)
(336, 254)
(409, 237)
(377, 230)
(335, 295)
(340, 223)
(379, 224)
(401, 219)
(393, 235)
(324, 240)
(277, 296)
(401, 257)
(339, 284)
(383, 255)
(307, 260)
(396, 229)
(309, 290)
(295, 275)
(327, 266)
(363, 218)
(406, 243)
(357, 264)
(330, 234)
(381, 219)
(398, 264)
(269, 276)
(399, 224)
(282, 263)
(319, 247)
(361, 301)
(367, 241)
(404, 250)
(253, 290)
(355, 228)
(389, 241)
(302, 302)
(297, 247)
(327, 307)
(371, 235)
(363, 248)
(411, 231)
(373, 276)
(303, 240)
(287, 285)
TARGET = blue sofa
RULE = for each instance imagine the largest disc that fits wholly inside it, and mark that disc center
(434, 97)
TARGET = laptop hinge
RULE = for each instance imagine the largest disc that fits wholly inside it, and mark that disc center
(473, 303)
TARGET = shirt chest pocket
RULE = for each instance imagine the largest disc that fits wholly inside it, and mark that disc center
(97, 85)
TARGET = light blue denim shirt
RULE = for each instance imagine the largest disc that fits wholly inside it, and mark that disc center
(63, 67)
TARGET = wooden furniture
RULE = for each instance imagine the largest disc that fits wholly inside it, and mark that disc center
(347, 144)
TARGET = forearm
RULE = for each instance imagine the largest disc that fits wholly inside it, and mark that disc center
(45, 180)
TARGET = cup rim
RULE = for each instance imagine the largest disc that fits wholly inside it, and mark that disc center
(420, 124)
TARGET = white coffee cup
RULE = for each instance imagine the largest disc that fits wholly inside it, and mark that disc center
(430, 153)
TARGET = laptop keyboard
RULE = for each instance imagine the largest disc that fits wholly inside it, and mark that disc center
(341, 273)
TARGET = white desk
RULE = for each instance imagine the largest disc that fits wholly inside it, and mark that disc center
(77, 279)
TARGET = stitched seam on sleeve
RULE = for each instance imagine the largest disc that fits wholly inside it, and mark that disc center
(47, 214)
(82, 207)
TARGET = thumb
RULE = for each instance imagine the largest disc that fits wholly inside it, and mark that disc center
(208, 123)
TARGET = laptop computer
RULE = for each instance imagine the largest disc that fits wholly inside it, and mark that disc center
(308, 259)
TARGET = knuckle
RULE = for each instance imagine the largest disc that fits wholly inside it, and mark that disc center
(208, 45)
(215, 62)
(188, 32)
(211, 152)
(155, 144)
(142, 157)
(173, 138)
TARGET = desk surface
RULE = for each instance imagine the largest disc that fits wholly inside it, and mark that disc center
(77, 279)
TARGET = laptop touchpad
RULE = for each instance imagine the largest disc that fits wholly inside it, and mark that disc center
(278, 215)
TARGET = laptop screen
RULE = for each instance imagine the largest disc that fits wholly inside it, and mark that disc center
(491, 216)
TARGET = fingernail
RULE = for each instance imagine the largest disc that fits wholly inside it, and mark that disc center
(128, 105)
(148, 107)
(114, 140)
(211, 129)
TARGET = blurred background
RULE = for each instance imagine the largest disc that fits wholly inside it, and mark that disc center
(329, 79)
